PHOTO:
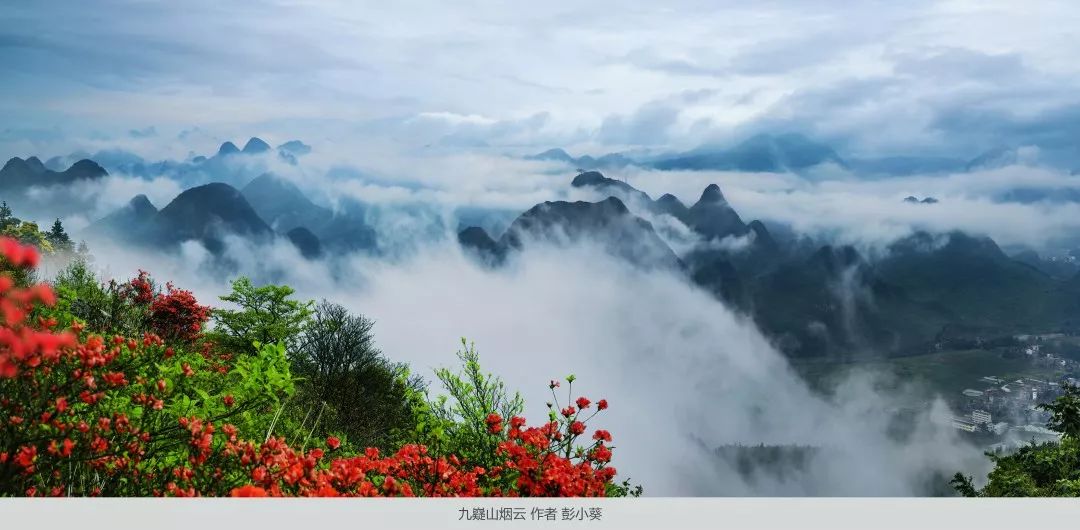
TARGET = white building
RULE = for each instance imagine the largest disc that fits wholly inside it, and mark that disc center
(980, 417)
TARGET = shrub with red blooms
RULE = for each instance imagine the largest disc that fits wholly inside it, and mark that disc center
(82, 414)
(174, 315)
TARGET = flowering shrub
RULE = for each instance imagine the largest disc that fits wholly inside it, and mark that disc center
(169, 414)
(174, 314)
(82, 414)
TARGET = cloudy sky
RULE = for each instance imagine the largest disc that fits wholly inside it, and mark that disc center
(877, 78)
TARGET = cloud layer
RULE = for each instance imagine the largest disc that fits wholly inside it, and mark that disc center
(951, 77)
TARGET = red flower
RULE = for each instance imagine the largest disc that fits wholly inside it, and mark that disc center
(601, 405)
(583, 403)
(568, 411)
(248, 491)
(601, 453)
(601, 434)
(68, 445)
(229, 401)
(332, 442)
(494, 423)
(577, 428)
(26, 456)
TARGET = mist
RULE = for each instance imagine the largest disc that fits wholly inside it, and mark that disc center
(684, 374)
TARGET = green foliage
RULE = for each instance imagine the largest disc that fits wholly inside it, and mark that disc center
(102, 308)
(266, 315)
(347, 387)
(1065, 412)
(1048, 469)
(455, 423)
(59, 238)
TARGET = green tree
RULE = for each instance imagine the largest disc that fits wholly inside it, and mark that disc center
(1065, 412)
(347, 386)
(59, 238)
(456, 423)
(266, 315)
(7, 218)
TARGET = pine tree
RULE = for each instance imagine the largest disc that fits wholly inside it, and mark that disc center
(59, 238)
(7, 218)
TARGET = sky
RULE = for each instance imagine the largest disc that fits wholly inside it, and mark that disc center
(873, 79)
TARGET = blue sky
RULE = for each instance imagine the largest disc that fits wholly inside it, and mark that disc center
(876, 78)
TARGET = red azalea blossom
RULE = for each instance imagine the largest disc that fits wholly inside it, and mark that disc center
(601, 405)
(494, 423)
(582, 403)
(249, 491)
(332, 442)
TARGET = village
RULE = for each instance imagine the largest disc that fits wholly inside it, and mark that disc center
(1003, 411)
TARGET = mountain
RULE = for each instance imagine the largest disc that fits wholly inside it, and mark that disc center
(671, 205)
(607, 222)
(612, 187)
(35, 165)
(761, 153)
(208, 212)
(292, 150)
(285, 207)
(556, 154)
(974, 280)
(585, 162)
(719, 277)
(129, 223)
(204, 213)
(227, 148)
(18, 174)
(306, 242)
(255, 146)
(476, 240)
(713, 217)
(835, 303)
(295, 148)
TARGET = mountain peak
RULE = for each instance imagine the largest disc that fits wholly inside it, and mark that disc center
(86, 169)
(35, 164)
(255, 146)
(227, 148)
(552, 154)
(295, 148)
(712, 193)
(15, 164)
(668, 199)
(591, 178)
(140, 204)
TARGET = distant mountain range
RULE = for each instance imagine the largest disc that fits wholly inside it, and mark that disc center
(229, 163)
(18, 174)
(812, 300)
(794, 153)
